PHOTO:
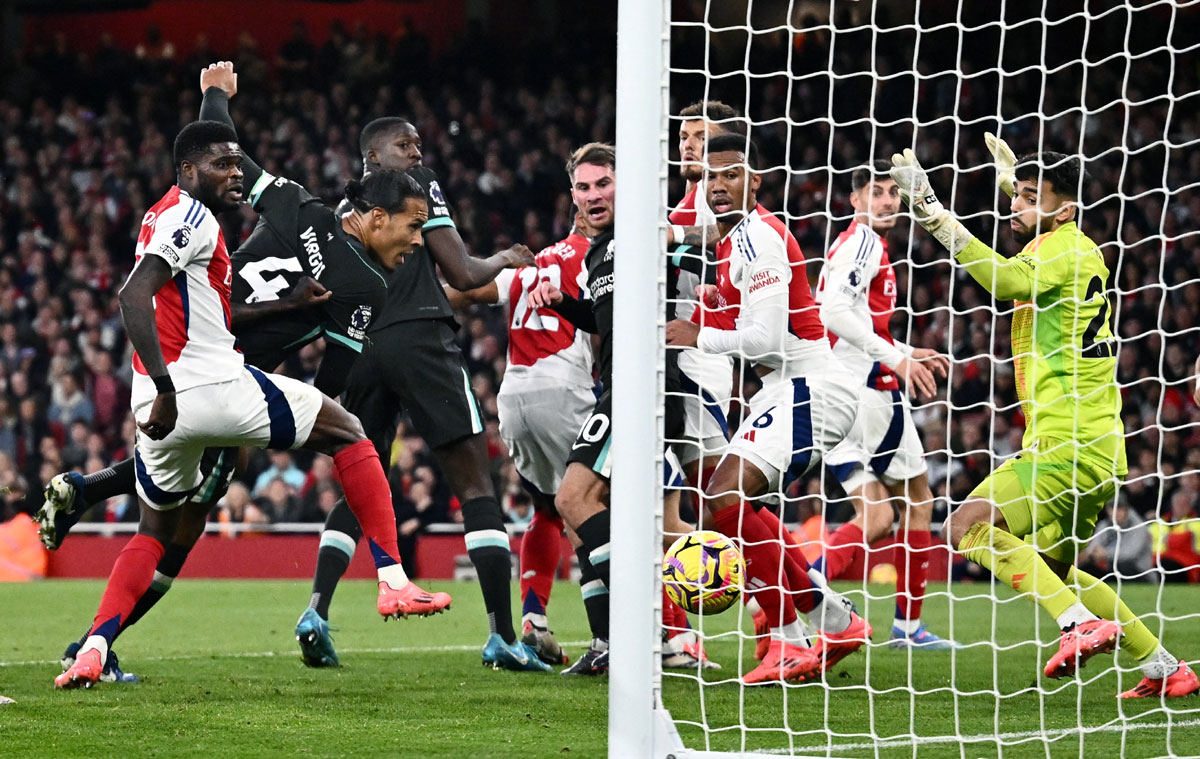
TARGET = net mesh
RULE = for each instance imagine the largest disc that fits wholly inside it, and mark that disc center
(825, 88)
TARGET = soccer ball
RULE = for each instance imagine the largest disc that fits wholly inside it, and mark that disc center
(703, 570)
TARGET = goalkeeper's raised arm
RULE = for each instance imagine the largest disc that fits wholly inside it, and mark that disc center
(1044, 190)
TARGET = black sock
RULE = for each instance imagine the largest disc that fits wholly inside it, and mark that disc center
(118, 479)
(487, 545)
(164, 574)
(338, 540)
(595, 596)
(595, 533)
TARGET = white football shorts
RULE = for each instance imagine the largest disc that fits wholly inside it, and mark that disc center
(883, 444)
(255, 409)
(707, 384)
(540, 426)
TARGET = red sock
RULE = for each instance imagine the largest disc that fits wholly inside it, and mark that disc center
(370, 498)
(540, 548)
(675, 619)
(795, 565)
(912, 568)
(763, 571)
(131, 576)
(843, 546)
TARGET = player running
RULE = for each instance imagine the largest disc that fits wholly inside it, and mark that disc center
(882, 459)
(764, 312)
(546, 395)
(413, 363)
(1024, 521)
(192, 389)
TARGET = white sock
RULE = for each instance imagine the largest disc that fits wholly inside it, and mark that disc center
(752, 606)
(537, 620)
(833, 613)
(907, 626)
(394, 576)
(1159, 664)
(1076, 615)
(792, 632)
(97, 642)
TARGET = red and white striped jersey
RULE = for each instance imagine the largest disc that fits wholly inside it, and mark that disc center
(192, 310)
(542, 344)
(858, 279)
(760, 267)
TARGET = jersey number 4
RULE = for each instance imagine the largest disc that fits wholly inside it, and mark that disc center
(255, 273)
(524, 317)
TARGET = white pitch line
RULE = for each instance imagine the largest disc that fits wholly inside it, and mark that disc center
(1049, 734)
(270, 654)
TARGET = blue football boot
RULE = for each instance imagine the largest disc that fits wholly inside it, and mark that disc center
(316, 644)
(921, 640)
(517, 657)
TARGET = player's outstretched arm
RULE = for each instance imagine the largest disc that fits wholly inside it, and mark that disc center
(307, 292)
(1007, 279)
(137, 312)
(489, 295)
(218, 82)
(462, 270)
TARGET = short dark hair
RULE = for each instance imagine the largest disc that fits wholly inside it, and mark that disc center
(595, 153)
(383, 188)
(378, 128)
(724, 116)
(195, 139)
(730, 142)
(1065, 173)
(864, 175)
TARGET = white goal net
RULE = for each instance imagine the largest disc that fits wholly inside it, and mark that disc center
(824, 88)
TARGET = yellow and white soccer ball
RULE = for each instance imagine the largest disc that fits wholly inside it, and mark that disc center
(703, 570)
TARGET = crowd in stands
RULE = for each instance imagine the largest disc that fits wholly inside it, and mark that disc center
(87, 149)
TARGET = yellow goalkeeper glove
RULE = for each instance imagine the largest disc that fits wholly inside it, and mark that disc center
(1006, 163)
(929, 212)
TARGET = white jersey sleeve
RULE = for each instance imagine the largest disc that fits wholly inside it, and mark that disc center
(181, 235)
(845, 310)
(504, 282)
(760, 269)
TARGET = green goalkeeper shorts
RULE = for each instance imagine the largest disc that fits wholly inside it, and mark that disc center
(1052, 499)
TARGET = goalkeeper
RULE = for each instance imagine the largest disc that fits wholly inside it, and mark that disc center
(1025, 520)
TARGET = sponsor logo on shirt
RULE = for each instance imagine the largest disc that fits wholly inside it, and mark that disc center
(316, 263)
(764, 279)
(359, 321)
(169, 253)
(181, 237)
(435, 192)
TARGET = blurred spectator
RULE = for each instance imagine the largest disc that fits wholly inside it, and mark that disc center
(1177, 539)
(1121, 545)
(237, 508)
(518, 508)
(282, 468)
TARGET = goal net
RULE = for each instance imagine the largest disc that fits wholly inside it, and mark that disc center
(824, 88)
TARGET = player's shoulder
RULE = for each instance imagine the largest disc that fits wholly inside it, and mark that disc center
(758, 233)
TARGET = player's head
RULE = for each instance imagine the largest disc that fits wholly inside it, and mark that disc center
(1047, 193)
(593, 172)
(730, 178)
(701, 120)
(389, 211)
(875, 196)
(390, 143)
(208, 164)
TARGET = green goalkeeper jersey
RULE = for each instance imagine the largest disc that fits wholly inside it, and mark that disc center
(1063, 349)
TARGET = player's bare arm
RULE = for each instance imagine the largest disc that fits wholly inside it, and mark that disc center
(489, 294)
(307, 292)
(1196, 391)
(137, 311)
(705, 237)
(682, 333)
(462, 270)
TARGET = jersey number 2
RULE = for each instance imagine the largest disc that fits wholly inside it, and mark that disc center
(525, 318)
(1095, 287)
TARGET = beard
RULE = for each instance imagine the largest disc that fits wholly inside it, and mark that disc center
(1024, 235)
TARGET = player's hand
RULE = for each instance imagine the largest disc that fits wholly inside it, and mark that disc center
(545, 294)
(517, 256)
(308, 292)
(221, 75)
(163, 415)
(939, 364)
(928, 211)
(682, 333)
(1196, 393)
(917, 378)
(707, 294)
(1006, 162)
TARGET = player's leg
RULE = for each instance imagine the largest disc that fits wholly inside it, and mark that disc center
(914, 541)
(70, 496)
(539, 560)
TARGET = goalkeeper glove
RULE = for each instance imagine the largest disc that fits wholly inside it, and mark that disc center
(1006, 162)
(929, 212)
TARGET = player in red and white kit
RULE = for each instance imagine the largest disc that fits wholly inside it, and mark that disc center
(192, 389)
(882, 459)
(763, 312)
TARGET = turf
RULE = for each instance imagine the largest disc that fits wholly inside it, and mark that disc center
(223, 677)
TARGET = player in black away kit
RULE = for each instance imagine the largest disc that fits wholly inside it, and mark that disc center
(413, 364)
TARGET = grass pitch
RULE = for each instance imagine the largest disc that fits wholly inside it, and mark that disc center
(222, 677)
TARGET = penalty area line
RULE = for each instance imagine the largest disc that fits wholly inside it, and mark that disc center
(288, 654)
(983, 738)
